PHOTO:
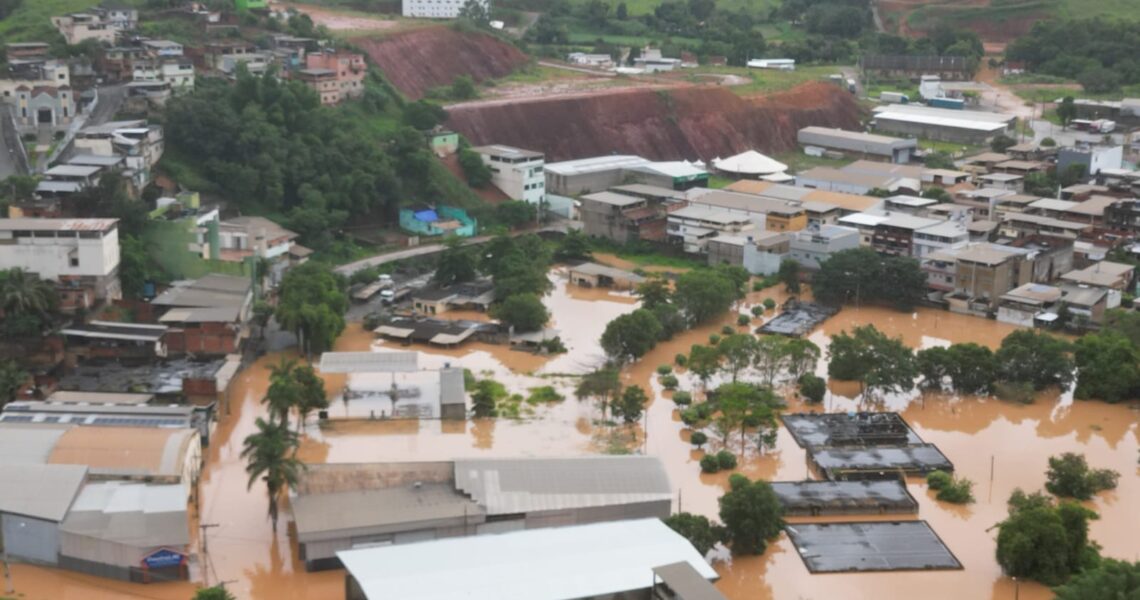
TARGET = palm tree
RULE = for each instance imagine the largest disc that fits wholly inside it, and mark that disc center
(284, 393)
(23, 292)
(270, 455)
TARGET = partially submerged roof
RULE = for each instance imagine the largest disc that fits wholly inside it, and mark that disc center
(40, 491)
(213, 290)
(835, 497)
(686, 582)
(135, 514)
(551, 563)
(877, 546)
(886, 460)
(369, 362)
(508, 486)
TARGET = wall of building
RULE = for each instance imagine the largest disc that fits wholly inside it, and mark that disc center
(29, 539)
(934, 132)
(51, 257)
(203, 338)
(439, 9)
(585, 183)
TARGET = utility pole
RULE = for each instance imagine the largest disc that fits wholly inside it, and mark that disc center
(8, 588)
(206, 553)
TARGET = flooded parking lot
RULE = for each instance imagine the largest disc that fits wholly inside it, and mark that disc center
(980, 435)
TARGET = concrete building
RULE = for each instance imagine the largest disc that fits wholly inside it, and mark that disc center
(107, 340)
(141, 144)
(600, 561)
(941, 124)
(849, 181)
(763, 253)
(1093, 158)
(984, 273)
(766, 212)
(906, 66)
(947, 235)
(178, 73)
(518, 173)
(1113, 277)
(441, 9)
(337, 507)
(906, 204)
(865, 224)
(162, 48)
(323, 82)
(594, 275)
(34, 499)
(213, 291)
(863, 145)
(81, 255)
(348, 71)
(240, 238)
(130, 531)
(621, 218)
(80, 27)
(1019, 225)
(811, 247)
(895, 236)
(585, 175)
(692, 226)
(44, 106)
(1002, 181)
(473, 295)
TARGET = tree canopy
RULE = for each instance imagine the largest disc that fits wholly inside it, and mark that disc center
(312, 304)
(1108, 367)
(877, 362)
(1109, 579)
(524, 312)
(704, 294)
(751, 514)
(701, 533)
(630, 336)
(861, 275)
(1097, 52)
(1070, 476)
(1034, 358)
(1043, 541)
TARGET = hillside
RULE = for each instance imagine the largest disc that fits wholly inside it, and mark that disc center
(32, 20)
(416, 61)
(690, 123)
(996, 21)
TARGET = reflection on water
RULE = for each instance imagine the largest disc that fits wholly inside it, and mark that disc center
(974, 433)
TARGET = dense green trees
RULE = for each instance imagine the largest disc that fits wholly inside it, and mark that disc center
(12, 376)
(812, 387)
(630, 336)
(1108, 367)
(485, 395)
(312, 304)
(701, 533)
(861, 275)
(517, 265)
(877, 362)
(1034, 358)
(456, 264)
(602, 385)
(1070, 476)
(1110, 579)
(951, 489)
(751, 514)
(704, 294)
(631, 404)
(476, 171)
(575, 245)
(524, 312)
(1044, 541)
(1097, 52)
(969, 368)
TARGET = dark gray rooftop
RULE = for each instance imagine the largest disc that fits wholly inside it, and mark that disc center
(870, 463)
(836, 497)
(799, 319)
(814, 430)
(879, 546)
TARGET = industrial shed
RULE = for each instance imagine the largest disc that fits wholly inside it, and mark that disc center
(129, 531)
(865, 145)
(819, 498)
(345, 506)
(33, 501)
(942, 124)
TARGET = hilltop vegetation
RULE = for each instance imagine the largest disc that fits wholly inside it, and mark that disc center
(1100, 54)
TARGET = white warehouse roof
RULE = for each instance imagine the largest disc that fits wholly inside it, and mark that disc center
(552, 563)
(750, 162)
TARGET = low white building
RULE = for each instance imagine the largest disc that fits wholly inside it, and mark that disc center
(81, 254)
(437, 9)
(179, 73)
(811, 247)
(518, 173)
(778, 64)
(693, 226)
(141, 144)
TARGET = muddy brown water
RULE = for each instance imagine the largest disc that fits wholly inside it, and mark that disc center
(974, 433)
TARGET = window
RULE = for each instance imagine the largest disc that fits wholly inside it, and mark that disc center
(74, 260)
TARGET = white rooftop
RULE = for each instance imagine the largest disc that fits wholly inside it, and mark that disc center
(750, 162)
(72, 171)
(863, 219)
(582, 166)
(942, 117)
(28, 224)
(368, 362)
(552, 563)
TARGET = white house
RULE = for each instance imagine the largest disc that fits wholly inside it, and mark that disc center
(81, 254)
(779, 64)
(947, 235)
(693, 226)
(811, 247)
(437, 9)
(179, 73)
(518, 173)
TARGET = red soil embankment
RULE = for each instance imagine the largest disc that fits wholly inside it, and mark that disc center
(690, 123)
(421, 59)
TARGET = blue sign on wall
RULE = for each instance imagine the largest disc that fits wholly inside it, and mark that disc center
(163, 558)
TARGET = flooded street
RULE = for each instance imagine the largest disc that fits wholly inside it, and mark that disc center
(974, 433)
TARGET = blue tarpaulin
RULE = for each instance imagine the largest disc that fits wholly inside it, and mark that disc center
(427, 216)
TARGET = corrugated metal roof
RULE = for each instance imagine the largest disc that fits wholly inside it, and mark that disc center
(40, 491)
(28, 444)
(57, 224)
(553, 563)
(131, 513)
(686, 582)
(369, 362)
(71, 397)
(217, 314)
(451, 389)
(507, 486)
(125, 450)
(347, 513)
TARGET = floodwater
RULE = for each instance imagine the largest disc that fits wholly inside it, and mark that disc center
(981, 436)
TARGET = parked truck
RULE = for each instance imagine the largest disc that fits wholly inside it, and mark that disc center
(951, 103)
(894, 98)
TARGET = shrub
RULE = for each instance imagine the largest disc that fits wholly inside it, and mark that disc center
(769, 304)
(757, 310)
(938, 480)
(957, 491)
(669, 382)
(1048, 143)
(728, 330)
(680, 360)
(1014, 392)
(1069, 475)
(726, 460)
(704, 410)
(544, 395)
(664, 369)
(758, 286)
(743, 320)
(812, 387)
(709, 463)
(682, 398)
(714, 339)
(690, 416)
(698, 439)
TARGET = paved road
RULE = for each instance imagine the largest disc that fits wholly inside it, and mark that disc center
(110, 99)
(11, 159)
(428, 249)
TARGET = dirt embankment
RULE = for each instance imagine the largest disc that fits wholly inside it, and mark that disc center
(418, 60)
(690, 123)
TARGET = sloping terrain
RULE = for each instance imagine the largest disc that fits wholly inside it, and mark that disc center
(690, 123)
(418, 60)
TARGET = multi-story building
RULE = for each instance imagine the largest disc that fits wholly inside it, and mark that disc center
(947, 235)
(437, 9)
(693, 226)
(101, 23)
(811, 247)
(141, 144)
(348, 71)
(179, 73)
(323, 82)
(162, 48)
(242, 237)
(865, 224)
(621, 218)
(44, 106)
(768, 213)
(517, 172)
(984, 273)
(1094, 159)
(81, 255)
(895, 235)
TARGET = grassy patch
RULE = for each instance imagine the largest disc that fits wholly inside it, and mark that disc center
(645, 256)
(32, 21)
(543, 395)
(798, 161)
(950, 148)
(590, 37)
(762, 81)
(1052, 94)
(535, 73)
(646, 7)
(717, 181)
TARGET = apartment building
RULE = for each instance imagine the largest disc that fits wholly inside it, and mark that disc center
(348, 71)
(692, 227)
(812, 247)
(947, 235)
(81, 255)
(517, 172)
(895, 235)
